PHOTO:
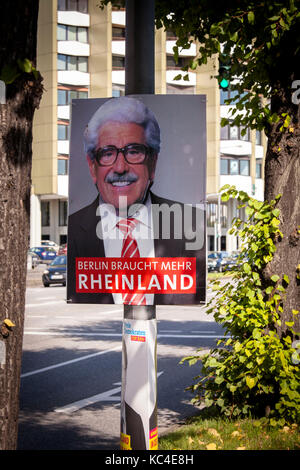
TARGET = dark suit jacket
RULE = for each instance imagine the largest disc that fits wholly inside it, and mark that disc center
(83, 242)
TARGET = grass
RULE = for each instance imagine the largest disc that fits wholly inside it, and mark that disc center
(206, 433)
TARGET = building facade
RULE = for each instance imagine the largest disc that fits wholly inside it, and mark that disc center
(81, 54)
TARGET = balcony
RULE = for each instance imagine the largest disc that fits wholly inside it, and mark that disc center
(118, 17)
(73, 18)
(171, 74)
(63, 112)
(73, 48)
(191, 52)
(73, 77)
(63, 147)
(118, 77)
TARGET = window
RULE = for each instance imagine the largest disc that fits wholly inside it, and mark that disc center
(82, 34)
(118, 32)
(235, 166)
(45, 211)
(224, 133)
(244, 167)
(72, 33)
(258, 138)
(62, 166)
(223, 243)
(182, 62)
(245, 134)
(62, 132)
(73, 5)
(235, 133)
(258, 170)
(61, 32)
(211, 243)
(224, 166)
(65, 97)
(226, 95)
(71, 62)
(171, 35)
(118, 62)
(118, 90)
(62, 213)
(230, 94)
(212, 215)
(63, 239)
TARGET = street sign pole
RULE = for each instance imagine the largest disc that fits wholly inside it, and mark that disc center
(139, 357)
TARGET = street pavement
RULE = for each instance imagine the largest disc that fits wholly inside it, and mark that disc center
(71, 369)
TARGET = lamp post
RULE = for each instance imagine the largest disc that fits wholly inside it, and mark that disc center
(139, 358)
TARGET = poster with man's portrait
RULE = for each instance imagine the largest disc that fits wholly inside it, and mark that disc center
(137, 190)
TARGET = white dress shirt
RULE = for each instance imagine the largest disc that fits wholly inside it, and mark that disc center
(113, 236)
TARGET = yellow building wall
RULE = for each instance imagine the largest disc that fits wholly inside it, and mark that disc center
(44, 164)
(209, 87)
(100, 60)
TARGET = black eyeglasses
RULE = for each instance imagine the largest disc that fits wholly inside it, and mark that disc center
(134, 154)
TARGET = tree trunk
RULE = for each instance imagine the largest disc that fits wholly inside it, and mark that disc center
(18, 25)
(282, 176)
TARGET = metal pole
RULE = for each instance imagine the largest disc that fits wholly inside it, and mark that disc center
(139, 359)
(139, 40)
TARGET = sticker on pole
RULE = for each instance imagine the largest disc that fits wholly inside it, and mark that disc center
(153, 442)
(125, 442)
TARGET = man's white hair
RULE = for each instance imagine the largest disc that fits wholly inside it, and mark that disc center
(123, 109)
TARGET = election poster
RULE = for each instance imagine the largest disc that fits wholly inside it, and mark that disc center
(137, 190)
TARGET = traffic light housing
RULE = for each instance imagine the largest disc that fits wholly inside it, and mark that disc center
(224, 72)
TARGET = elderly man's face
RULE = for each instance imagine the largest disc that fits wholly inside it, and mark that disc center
(134, 178)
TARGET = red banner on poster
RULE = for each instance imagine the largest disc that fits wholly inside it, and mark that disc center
(139, 275)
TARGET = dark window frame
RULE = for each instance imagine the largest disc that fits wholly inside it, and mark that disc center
(116, 36)
(62, 166)
(62, 213)
(212, 214)
(45, 213)
(66, 129)
(258, 166)
(227, 132)
(68, 59)
(67, 5)
(182, 62)
(120, 58)
(67, 100)
(239, 161)
(77, 28)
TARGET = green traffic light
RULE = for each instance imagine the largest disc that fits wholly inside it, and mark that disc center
(224, 83)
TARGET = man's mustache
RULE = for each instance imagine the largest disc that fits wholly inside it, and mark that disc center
(116, 178)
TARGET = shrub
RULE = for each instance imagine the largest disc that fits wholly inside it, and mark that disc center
(254, 371)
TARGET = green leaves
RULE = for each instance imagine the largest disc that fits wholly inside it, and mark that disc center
(251, 17)
(10, 72)
(250, 381)
(253, 363)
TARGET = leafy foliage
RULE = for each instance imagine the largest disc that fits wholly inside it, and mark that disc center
(253, 370)
(252, 36)
(10, 72)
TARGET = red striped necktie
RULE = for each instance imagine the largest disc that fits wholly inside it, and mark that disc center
(130, 250)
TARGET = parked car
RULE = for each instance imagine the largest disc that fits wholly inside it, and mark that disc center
(32, 260)
(211, 264)
(221, 258)
(46, 254)
(56, 272)
(50, 243)
(62, 249)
